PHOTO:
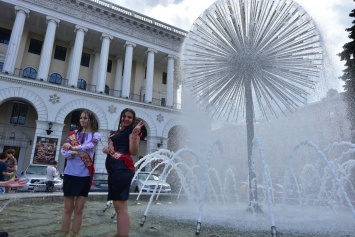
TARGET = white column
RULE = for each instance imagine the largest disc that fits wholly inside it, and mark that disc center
(94, 79)
(170, 82)
(127, 69)
(47, 48)
(101, 74)
(73, 73)
(150, 75)
(15, 39)
(118, 75)
(71, 45)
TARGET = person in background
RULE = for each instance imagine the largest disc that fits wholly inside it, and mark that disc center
(79, 150)
(11, 165)
(51, 174)
(3, 169)
(120, 167)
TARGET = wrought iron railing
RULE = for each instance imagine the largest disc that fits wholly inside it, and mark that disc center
(92, 88)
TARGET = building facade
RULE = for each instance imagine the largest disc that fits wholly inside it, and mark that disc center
(58, 57)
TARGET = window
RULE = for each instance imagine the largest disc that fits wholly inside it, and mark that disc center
(5, 35)
(35, 46)
(60, 53)
(19, 113)
(109, 65)
(165, 75)
(29, 72)
(55, 78)
(85, 59)
(163, 102)
(107, 90)
(82, 84)
(1, 66)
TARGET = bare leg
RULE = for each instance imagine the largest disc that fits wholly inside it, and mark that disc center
(78, 213)
(123, 219)
(68, 210)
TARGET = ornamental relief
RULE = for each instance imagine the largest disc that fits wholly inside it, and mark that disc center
(114, 24)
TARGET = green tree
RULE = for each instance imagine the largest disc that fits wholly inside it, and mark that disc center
(348, 55)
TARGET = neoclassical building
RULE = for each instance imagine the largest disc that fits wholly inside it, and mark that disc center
(58, 57)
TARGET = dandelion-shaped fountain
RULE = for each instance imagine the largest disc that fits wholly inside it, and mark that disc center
(269, 47)
(248, 58)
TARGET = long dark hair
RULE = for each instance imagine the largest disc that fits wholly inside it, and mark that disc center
(92, 121)
(123, 112)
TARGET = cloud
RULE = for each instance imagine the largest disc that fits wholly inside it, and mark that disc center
(154, 3)
(179, 13)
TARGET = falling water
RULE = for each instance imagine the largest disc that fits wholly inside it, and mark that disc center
(168, 164)
(5, 204)
(330, 167)
(204, 181)
(267, 180)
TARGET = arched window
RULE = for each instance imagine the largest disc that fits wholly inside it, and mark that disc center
(29, 72)
(19, 113)
(107, 90)
(81, 84)
(56, 78)
(2, 58)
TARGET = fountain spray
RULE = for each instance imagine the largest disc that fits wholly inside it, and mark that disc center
(266, 173)
(331, 168)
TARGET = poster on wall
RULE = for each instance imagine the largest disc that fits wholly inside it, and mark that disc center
(45, 150)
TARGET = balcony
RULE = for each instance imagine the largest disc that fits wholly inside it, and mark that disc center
(82, 85)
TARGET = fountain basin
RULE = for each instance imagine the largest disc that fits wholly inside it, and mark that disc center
(39, 214)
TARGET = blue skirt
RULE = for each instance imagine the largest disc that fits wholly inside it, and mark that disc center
(119, 182)
(76, 186)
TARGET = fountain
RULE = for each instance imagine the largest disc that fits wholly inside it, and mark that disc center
(213, 199)
(247, 57)
(242, 58)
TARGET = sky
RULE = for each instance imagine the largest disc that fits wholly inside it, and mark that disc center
(331, 17)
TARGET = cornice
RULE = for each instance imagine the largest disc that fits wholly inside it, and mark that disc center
(128, 23)
(55, 88)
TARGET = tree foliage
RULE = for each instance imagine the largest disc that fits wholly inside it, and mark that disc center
(348, 55)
